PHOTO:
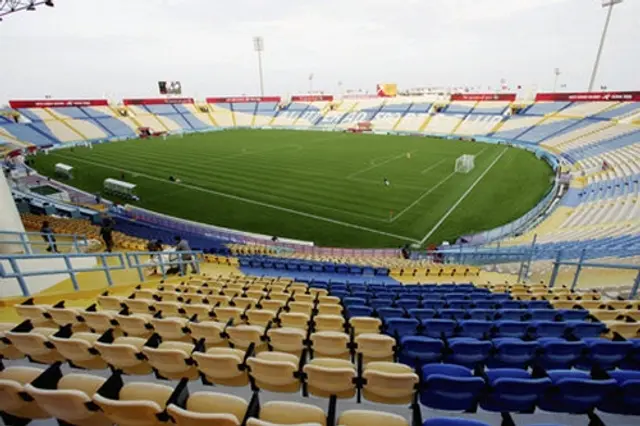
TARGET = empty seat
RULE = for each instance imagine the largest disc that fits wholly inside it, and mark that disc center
(289, 340)
(242, 336)
(450, 387)
(510, 328)
(439, 328)
(99, 321)
(389, 383)
(582, 329)
(452, 314)
(574, 392)
(604, 353)
(359, 311)
(330, 344)
(370, 418)
(444, 421)
(626, 398)
(295, 320)
(209, 408)
(512, 352)
(222, 366)
(12, 384)
(7, 350)
(67, 397)
(513, 390)
(210, 331)
(327, 377)
(329, 309)
(329, 323)
(421, 314)
(375, 347)
(365, 325)
(478, 329)
(481, 314)
(541, 329)
(277, 413)
(124, 353)
(543, 314)
(419, 350)
(557, 353)
(171, 328)
(573, 314)
(468, 351)
(79, 348)
(136, 404)
(172, 360)
(34, 342)
(399, 327)
(387, 313)
(275, 371)
(136, 325)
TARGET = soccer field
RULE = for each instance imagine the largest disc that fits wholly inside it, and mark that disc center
(320, 186)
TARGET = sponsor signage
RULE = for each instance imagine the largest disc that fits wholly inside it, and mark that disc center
(589, 97)
(243, 99)
(312, 98)
(57, 103)
(503, 97)
(158, 101)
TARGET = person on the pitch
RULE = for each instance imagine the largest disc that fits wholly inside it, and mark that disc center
(386, 182)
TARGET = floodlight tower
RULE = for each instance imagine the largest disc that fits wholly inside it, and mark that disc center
(8, 7)
(610, 4)
(258, 46)
(556, 72)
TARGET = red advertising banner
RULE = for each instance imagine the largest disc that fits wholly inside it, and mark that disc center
(243, 99)
(503, 97)
(58, 103)
(589, 97)
(312, 98)
(158, 101)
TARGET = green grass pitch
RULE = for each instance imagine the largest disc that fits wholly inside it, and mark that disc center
(320, 186)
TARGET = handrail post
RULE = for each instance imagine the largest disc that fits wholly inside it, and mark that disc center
(72, 273)
(578, 269)
(636, 286)
(556, 269)
(162, 269)
(25, 246)
(21, 282)
(527, 266)
(75, 243)
(138, 268)
(107, 271)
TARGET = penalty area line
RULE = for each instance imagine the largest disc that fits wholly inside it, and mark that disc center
(467, 192)
(248, 200)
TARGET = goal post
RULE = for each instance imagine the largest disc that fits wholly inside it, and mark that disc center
(465, 163)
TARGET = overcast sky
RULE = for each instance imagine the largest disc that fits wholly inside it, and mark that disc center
(118, 48)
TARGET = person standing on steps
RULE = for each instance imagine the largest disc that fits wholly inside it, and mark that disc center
(183, 245)
(48, 237)
(106, 232)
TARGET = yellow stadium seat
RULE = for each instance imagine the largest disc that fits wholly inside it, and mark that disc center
(242, 336)
(331, 344)
(79, 348)
(389, 383)
(172, 360)
(294, 320)
(222, 366)
(138, 325)
(35, 342)
(244, 303)
(125, 353)
(289, 340)
(203, 311)
(275, 371)
(225, 314)
(370, 418)
(329, 322)
(210, 331)
(329, 300)
(272, 305)
(171, 328)
(7, 350)
(209, 408)
(605, 314)
(99, 321)
(168, 309)
(276, 413)
(327, 377)
(260, 317)
(12, 384)
(375, 347)
(367, 325)
(137, 404)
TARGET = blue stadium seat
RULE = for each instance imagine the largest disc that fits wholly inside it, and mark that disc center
(557, 353)
(342, 294)
(468, 351)
(541, 329)
(574, 314)
(450, 387)
(512, 352)
(439, 328)
(460, 304)
(511, 329)
(408, 303)
(399, 327)
(433, 304)
(513, 390)
(453, 314)
(633, 360)
(538, 304)
(361, 294)
(512, 304)
(485, 304)
(604, 353)
(574, 392)
(543, 314)
(511, 314)
(380, 303)
(420, 350)
(421, 314)
(626, 398)
(481, 314)
(384, 295)
(349, 301)
(583, 329)
(478, 329)
(359, 311)
(501, 297)
(387, 313)
(444, 421)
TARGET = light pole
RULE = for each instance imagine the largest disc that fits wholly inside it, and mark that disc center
(610, 4)
(311, 83)
(258, 46)
(557, 73)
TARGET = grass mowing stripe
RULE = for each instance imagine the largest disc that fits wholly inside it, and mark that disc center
(359, 172)
(272, 206)
(467, 192)
(427, 192)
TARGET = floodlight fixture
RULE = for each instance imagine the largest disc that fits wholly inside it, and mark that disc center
(258, 46)
(610, 5)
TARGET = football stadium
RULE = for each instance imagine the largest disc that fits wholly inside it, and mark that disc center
(403, 255)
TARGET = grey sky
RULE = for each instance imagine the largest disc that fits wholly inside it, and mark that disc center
(118, 48)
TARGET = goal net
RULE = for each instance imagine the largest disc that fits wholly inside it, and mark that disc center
(465, 163)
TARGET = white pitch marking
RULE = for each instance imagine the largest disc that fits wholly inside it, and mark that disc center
(421, 197)
(250, 201)
(433, 166)
(352, 175)
(467, 192)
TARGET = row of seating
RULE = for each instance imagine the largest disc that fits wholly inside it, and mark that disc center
(84, 399)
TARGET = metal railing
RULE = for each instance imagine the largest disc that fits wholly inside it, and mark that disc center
(77, 243)
(123, 261)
